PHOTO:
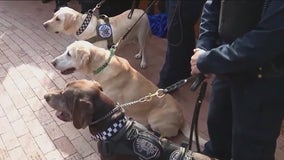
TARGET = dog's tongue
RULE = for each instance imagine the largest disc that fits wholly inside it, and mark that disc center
(63, 116)
(68, 71)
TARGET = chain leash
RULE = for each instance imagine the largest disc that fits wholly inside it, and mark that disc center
(159, 93)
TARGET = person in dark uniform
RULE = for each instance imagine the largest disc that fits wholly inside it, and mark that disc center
(109, 7)
(182, 16)
(241, 43)
(60, 3)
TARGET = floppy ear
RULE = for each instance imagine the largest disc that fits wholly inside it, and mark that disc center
(69, 21)
(69, 83)
(98, 85)
(86, 57)
(82, 113)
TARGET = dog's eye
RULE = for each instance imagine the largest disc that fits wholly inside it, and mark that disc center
(68, 54)
(57, 19)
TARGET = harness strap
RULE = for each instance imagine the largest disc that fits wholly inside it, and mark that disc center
(118, 144)
(123, 131)
(111, 131)
(134, 5)
(104, 31)
(85, 22)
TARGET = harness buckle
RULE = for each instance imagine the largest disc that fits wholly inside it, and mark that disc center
(132, 134)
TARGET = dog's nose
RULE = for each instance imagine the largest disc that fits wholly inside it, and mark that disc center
(46, 97)
(45, 25)
(54, 63)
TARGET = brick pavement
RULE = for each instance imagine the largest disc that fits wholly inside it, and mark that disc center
(29, 129)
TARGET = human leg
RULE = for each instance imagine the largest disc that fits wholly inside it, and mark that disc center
(181, 42)
(258, 111)
(87, 5)
(219, 121)
(60, 3)
(114, 7)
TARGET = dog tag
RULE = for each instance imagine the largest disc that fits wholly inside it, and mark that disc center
(105, 31)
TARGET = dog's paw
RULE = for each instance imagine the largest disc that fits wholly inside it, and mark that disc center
(143, 65)
(138, 55)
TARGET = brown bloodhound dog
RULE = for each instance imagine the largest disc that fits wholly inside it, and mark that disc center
(119, 137)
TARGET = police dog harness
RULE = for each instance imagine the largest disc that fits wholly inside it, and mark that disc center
(103, 29)
(127, 137)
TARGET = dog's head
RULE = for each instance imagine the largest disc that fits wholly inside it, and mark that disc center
(77, 56)
(80, 101)
(63, 21)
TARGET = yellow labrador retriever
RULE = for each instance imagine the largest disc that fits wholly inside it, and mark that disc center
(70, 22)
(123, 84)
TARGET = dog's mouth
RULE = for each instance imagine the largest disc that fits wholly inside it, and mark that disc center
(68, 71)
(63, 116)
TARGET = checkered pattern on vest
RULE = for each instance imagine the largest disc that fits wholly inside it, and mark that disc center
(85, 23)
(110, 131)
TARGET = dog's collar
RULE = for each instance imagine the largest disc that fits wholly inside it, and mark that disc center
(107, 115)
(85, 22)
(98, 70)
(111, 131)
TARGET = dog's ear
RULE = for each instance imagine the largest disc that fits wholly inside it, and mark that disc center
(69, 83)
(86, 57)
(82, 113)
(69, 21)
(98, 85)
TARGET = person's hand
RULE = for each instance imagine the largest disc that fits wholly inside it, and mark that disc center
(197, 52)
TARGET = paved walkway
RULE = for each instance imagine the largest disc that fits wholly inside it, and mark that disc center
(28, 127)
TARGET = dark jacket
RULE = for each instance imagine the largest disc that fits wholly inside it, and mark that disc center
(262, 45)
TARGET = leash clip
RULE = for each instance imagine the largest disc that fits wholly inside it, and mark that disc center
(99, 5)
(159, 93)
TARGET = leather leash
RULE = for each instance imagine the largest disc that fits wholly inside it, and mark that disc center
(135, 3)
(197, 81)
(194, 122)
(129, 30)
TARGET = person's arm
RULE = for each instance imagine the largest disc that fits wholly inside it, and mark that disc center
(208, 33)
(255, 48)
